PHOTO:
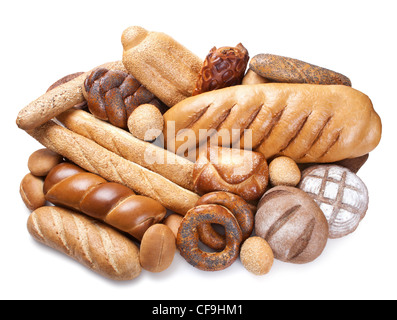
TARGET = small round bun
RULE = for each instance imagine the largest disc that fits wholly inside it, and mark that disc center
(42, 161)
(256, 255)
(284, 171)
(146, 122)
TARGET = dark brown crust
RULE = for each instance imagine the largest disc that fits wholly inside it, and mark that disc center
(113, 95)
(223, 67)
(237, 206)
(283, 69)
(188, 238)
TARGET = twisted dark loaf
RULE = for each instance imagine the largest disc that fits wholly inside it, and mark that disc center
(113, 95)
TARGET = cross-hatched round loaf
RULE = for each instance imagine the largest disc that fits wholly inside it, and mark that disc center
(341, 195)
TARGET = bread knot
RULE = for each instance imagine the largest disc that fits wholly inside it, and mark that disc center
(113, 95)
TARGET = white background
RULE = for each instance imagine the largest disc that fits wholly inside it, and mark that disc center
(43, 41)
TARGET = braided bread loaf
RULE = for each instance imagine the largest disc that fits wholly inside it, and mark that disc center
(69, 185)
(306, 122)
(112, 95)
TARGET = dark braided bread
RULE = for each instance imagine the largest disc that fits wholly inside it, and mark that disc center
(113, 95)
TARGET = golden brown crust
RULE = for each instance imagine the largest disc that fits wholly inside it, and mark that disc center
(111, 202)
(161, 64)
(242, 172)
(157, 248)
(55, 101)
(88, 241)
(308, 123)
(96, 159)
(173, 167)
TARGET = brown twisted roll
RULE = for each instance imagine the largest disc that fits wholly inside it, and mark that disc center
(223, 67)
(69, 185)
(188, 238)
(113, 95)
(237, 206)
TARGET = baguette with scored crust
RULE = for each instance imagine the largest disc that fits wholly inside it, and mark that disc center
(96, 159)
(92, 243)
(177, 169)
(306, 122)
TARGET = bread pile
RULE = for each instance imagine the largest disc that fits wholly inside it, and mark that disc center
(164, 153)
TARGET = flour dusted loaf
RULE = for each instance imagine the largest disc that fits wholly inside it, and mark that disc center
(306, 122)
(341, 195)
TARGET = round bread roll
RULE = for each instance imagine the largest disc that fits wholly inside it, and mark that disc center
(42, 161)
(292, 223)
(157, 248)
(146, 122)
(31, 190)
(283, 171)
(256, 255)
(173, 221)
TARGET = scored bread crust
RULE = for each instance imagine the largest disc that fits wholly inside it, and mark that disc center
(308, 123)
(96, 159)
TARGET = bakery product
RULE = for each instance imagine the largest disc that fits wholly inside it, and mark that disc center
(57, 100)
(112, 95)
(284, 69)
(70, 186)
(90, 242)
(341, 195)
(306, 122)
(292, 223)
(188, 239)
(223, 67)
(96, 159)
(157, 248)
(175, 168)
(242, 172)
(164, 66)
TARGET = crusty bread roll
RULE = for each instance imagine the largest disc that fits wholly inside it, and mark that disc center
(306, 122)
(88, 241)
(96, 159)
